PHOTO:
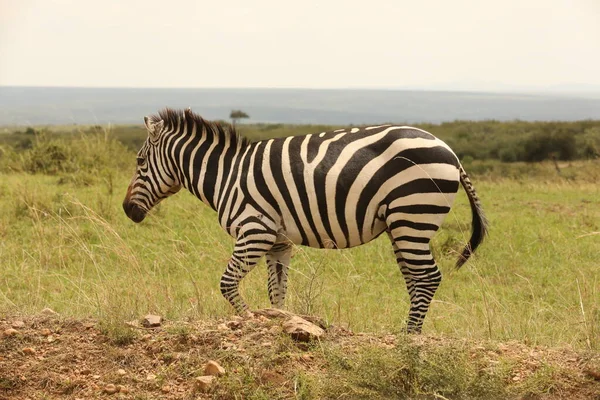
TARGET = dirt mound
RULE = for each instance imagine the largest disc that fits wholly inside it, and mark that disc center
(50, 357)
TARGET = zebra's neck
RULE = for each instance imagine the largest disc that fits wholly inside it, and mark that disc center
(204, 159)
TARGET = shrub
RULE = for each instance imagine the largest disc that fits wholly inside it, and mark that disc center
(543, 146)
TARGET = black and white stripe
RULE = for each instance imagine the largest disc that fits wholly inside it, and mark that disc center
(332, 190)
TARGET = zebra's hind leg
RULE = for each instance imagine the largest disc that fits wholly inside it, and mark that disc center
(420, 272)
(278, 260)
(252, 243)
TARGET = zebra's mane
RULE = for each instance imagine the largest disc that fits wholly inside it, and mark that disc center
(223, 132)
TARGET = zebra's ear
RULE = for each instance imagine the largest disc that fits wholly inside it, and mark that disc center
(154, 128)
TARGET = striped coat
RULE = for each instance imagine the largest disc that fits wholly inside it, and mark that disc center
(331, 190)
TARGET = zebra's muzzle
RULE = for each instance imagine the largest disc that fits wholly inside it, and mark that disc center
(134, 212)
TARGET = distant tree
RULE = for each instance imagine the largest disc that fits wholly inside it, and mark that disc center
(236, 115)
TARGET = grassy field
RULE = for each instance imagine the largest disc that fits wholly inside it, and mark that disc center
(66, 244)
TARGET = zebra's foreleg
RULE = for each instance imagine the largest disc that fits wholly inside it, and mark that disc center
(278, 260)
(250, 246)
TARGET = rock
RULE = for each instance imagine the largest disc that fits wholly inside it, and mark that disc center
(48, 311)
(85, 371)
(29, 350)
(213, 368)
(593, 374)
(302, 330)
(150, 377)
(204, 383)
(121, 371)
(222, 327)
(165, 389)
(45, 332)
(122, 389)
(110, 389)
(18, 324)
(273, 313)
(10, 332)
(234, 325)
(152, 321)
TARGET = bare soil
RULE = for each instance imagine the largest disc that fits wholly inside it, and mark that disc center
(49, 357)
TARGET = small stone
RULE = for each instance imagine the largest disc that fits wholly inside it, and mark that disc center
(204, 383)
(86, 371)
(29, 350)
(45, 332)
(152, 321)
(95, 377)
(48, 311)
(233, 325)
(222, 327)
(165, 389)
(110, 389)
(18, 324)
(10, 332)
(302, 330)
(150, 377)
(213, 368)
(121, 371)
(122, 389)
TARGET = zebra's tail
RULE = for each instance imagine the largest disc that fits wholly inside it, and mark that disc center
(479, 224)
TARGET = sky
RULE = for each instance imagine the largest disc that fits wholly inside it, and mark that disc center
(436, 44)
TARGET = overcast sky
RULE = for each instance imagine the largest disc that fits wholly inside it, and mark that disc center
(302, 44)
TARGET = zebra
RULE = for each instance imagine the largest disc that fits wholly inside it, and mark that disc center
(331, 190)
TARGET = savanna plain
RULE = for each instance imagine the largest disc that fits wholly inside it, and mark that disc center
(520, 320)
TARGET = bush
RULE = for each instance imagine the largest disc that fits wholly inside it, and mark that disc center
(84, 154)
(508, 155)
(543, 146)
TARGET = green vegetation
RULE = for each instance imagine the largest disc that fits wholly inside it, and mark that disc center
(66, 244)
(471, 140)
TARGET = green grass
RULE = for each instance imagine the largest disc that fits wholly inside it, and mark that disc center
(66, 244)
(536, 279)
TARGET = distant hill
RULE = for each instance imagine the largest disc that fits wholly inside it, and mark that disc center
(40, 106)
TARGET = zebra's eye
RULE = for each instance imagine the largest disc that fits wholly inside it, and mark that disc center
(140, 161)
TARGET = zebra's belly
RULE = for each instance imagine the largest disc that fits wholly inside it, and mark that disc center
(324, 240)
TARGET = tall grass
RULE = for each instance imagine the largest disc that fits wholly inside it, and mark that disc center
(66, 244)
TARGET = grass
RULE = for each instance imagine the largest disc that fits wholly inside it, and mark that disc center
(66, 244)
(535, 279)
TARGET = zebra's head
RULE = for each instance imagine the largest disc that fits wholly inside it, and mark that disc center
(155, 178)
